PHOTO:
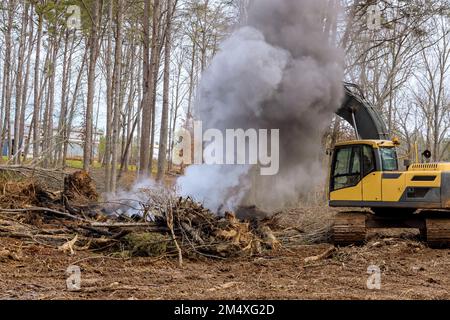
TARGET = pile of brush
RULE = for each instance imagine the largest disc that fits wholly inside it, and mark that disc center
(201, 232)
(175, 225)
(73, 219)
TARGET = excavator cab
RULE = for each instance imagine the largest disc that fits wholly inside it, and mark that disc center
(357, 171)
(365, 173)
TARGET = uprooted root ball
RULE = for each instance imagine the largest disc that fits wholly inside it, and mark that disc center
(80, 187)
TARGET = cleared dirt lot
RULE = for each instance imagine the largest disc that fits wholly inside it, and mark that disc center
(409, 269)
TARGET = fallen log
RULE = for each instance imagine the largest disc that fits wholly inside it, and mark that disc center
(324, 255)
(124, 224)
(42, 209)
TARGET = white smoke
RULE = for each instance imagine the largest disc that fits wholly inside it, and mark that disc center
(277, 72)
(216, 186)
(131, 202)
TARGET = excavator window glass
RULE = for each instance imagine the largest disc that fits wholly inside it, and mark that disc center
(368, 160)
(347, 167)
(389, 159)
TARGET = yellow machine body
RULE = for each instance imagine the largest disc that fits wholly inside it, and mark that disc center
(364, 173)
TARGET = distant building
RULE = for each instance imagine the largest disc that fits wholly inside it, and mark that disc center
(75, 146)
(76, 143)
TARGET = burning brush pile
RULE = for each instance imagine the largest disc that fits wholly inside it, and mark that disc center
(202, 232)
(188, 227)
(73, 219)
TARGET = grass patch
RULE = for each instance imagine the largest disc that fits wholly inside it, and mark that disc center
(78, 164)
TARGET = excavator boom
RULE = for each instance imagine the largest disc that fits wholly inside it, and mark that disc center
(361, 115)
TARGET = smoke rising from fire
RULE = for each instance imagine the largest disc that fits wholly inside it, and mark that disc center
(279, 71)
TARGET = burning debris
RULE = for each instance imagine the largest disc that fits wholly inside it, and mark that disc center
(197, 230)
(205, 233)
(167, 224)
(158, 223)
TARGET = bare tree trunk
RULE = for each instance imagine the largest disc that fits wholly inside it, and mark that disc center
(130, 109)
(153, 106)
(162, 156)
(146, 110)
(204, 46)
(97, 143)
(7, 88)
(139, 112)
(156, 67)
(148, 86)
(67, 67)
(93, 49)
(109, 102)
(19, 84)
(48, 129)
(117, 104)
(191, 80)
(175, 108)
(36, 103)
(25, 88)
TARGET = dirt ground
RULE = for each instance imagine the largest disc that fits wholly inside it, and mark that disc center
(409, 270)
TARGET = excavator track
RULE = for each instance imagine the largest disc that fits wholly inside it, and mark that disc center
(438, 232)
(349, 228)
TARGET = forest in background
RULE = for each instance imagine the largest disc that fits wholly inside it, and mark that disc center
(127, 71)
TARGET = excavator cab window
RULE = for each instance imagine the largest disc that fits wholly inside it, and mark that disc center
(368, 160)
(347, 167)
(389, 159)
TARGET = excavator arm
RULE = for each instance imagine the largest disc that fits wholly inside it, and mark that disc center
(361, 115)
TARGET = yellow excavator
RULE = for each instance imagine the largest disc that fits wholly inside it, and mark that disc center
(365, 173)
